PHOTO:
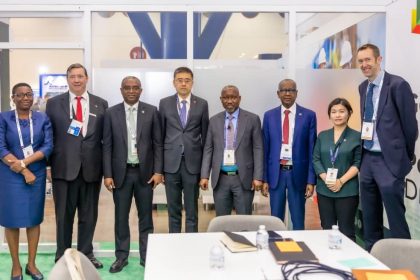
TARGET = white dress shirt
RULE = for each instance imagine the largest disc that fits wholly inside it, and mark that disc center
(85, 109)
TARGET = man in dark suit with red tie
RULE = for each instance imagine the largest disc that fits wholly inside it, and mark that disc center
(77, 121)
(389, 133)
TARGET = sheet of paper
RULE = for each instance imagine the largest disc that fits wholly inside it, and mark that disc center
(383, 276)
(357, 263)
(288, 246)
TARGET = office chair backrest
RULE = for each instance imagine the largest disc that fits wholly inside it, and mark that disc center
(398, 254)
(245, 223)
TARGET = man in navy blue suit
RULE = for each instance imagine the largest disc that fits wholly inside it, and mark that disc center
(389, 133)
(289, 133)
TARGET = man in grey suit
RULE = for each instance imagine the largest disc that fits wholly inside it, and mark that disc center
(185, 120)
(77, 121)
(234, 153)
(132, 163)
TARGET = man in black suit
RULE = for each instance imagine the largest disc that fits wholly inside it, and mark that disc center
(77, 121)
(185, 119)
(389, 133)
(132, 165)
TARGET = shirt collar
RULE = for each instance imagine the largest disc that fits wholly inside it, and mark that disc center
(73, 96)
(234, 114)
(127, 106)
(188, 99)
(379, 78)
(292, 109)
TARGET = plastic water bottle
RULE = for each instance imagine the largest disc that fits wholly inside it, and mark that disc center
(262, 238)
(217, 257)
(334, 238)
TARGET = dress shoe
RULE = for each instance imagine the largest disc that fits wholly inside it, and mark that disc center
(118, 265)
(35, 276)
(142, 262)
(19, 277)
(96, 263)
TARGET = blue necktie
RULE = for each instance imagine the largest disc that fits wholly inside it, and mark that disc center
(368, 144)
(183, 113)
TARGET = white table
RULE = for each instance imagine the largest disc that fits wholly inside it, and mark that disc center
(186, 256)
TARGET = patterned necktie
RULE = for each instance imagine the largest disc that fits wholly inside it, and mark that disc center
(183, 113)
(79, 114)
(132, 134)
(368, 144)
(285, 132)
(230, 134)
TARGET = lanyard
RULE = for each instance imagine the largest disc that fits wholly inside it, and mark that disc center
(334, 152)
(31, 129)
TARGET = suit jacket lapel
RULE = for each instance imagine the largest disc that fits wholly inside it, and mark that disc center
(383, 96)
(122, 120)
(363, 99)
(298, 120)
(65, 105)
(278, 124)
(240, 126)
(174, 109)
(220, 128)
(140, 113)
(93, 112)
(193, 108)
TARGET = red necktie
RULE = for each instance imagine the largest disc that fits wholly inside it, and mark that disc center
(285, 132)
(79, 115)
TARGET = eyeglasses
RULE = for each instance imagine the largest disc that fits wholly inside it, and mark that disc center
(22, 95)
(134, 88)
(288, 90)
(181, 81)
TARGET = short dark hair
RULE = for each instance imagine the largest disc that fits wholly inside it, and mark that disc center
(374, 48)
(340, 101)
(75, 65)
(130, 78)
(18, 85)
(230, 87)
(284, 81)
(183, 69)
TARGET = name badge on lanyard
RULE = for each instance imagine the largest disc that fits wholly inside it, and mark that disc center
(133, 145)
(286, 152)
(331, 176)
(367, 131)
(75, 128)
(332, 172)
(28, 150)
(229, 157)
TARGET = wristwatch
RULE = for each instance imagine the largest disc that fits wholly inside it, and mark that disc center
(22, 164)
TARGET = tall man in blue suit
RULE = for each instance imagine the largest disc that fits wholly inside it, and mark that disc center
(289, 133)
(389, 133)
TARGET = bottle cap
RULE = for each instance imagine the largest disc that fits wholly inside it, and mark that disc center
(261, 227)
